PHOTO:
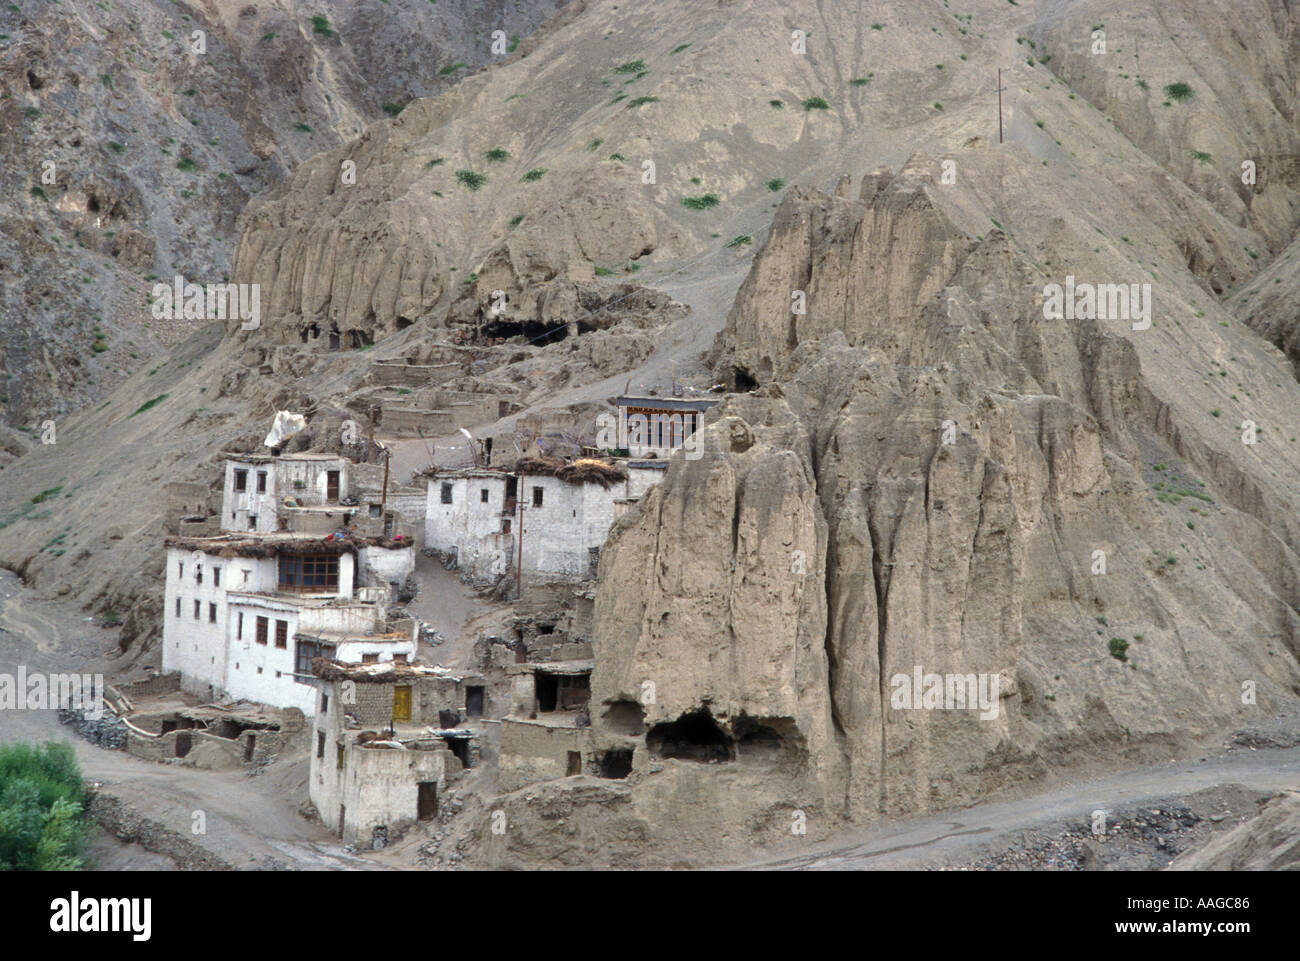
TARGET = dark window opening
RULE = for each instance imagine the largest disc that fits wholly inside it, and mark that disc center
(281, 634)
(483, 495)
(216, 577)
(446, 492)
(304, 652)
(320, 744)
(616, 763)
(250, 744)
(474, 696)
(538, 495)
(241, 481)
(512, 495)
(198, 610)
(178, 607)
(369, 658)
(545, 628)
(564, 692)
(261, 630)
(261, 482)
(692, 737)
(212, 613)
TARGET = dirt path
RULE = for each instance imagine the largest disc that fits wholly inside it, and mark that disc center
(957, 837)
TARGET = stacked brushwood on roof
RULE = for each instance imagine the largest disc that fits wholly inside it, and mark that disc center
(582, 471)
(268, 547)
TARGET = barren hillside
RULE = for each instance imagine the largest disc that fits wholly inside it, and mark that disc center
(919, 466)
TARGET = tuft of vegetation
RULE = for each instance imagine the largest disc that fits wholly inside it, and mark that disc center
(632, 66)
(46, 494)
(1118, 648)
(703, 202)
(776, 104)
(1179, 91)
(678, 49)
(1202, 157)
(604, 272)
(429, 164)
(116, 147)
(775, 184)
(39, 192)
(859, 81)
(533, 175)
(516, 220)
(497, 154)
(451, 68)
(641, 101)
(303, 128)
(618, 156)
(187, 165)
(816, 103)
(471, 179)
(147, 405)
(594, 145)
(321, 25)
(740, 241)
(393, 109)
(41, 802)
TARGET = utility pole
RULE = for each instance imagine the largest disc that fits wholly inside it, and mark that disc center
(383, 500)
(519, 567)
(1000, 89)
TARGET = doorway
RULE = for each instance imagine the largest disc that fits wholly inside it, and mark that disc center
(426, 805)
(401, 703)
(474, 701)
(575, 764)
(332, 486)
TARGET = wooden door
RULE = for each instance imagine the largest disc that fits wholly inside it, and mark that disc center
(401, 704)
(426, 805)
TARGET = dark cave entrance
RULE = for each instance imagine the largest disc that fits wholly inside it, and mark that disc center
(745, 381)
(534, 331)
(692, 737)
(616, 764)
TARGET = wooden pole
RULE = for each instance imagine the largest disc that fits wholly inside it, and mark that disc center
(999, 106)
(383, 500)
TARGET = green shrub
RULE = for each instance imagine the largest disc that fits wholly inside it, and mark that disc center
(148, 404)
(816, 103)
(497, 154)
(775, 184)
(1179, 91)
(704, 202)
(471, 179)
(41, 797)
(393, 109)
(634, 66)
(321, 25)
(1118, 647)
(533, 175)
(187, 165)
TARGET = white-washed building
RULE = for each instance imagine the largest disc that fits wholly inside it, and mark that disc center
(257, 487)
(244, 615)
(562, 512)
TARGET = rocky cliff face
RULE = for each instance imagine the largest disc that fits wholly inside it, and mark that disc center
(929, 477)
(141, 129)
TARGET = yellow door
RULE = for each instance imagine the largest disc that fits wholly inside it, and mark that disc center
(401, 704)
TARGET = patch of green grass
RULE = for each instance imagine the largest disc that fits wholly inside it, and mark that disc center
(429, 164)
(47, 494)
(815, 103)
(1179, 91)
(1118, 648)
(604, 272)
(1142, 84)
(776, 104)
(1202, 157)
(470, 179)
(678, 49)
(39, 192)
(594, 145)
(497, 154)
(187, 165)
(31, 113)
(304, 127)
(514, 43)
(740, 241)
(116, 147)
(269, 36)
(516, 220)
(859, 81)
(775, 184)
(618, 156)
(451, 68)
(393, 109)
(703, 202)
(877, 26)
(147, 405)
(533, 175)
(938, 106)
(632, 66)
(321, 25)
(641, 102)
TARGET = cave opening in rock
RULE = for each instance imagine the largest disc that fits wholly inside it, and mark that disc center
(754, 739)
(534, 331)
(744, 380)
(624, 717)
(616, 764)
(694, 736)
(403, 322)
